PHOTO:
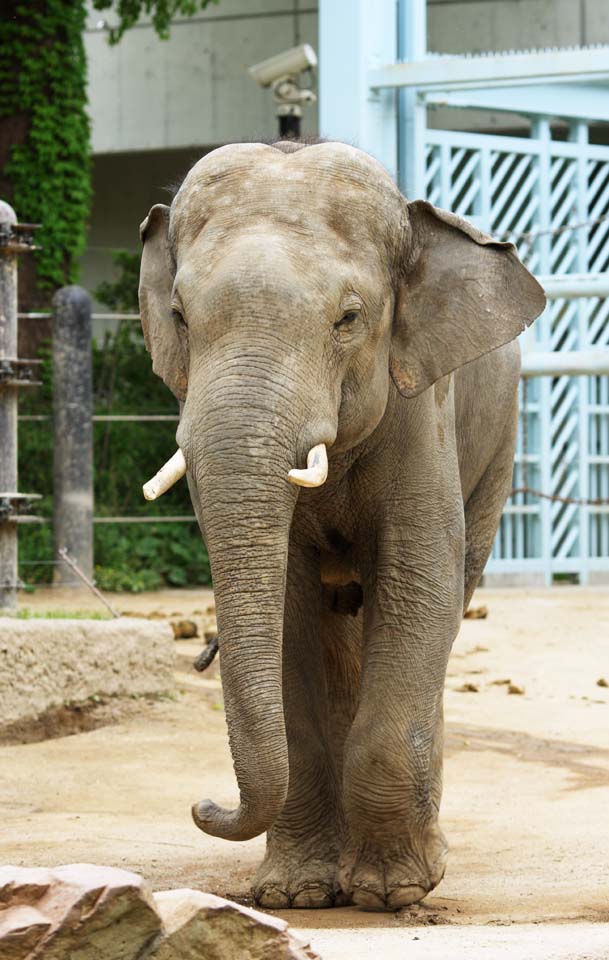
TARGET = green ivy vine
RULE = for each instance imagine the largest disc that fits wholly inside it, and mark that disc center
(43, 78)
(161, 12)
(43, 87)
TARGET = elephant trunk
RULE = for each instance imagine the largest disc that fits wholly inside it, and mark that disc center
(247, 504)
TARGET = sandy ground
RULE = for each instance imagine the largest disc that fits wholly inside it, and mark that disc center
(526, 798)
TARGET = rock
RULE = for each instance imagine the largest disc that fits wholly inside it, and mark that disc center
(78, 911)
(601, 682)
(184, 629)
(468, 688)
(21, 929)
(515, 689)
(85, 912)
(201, 926)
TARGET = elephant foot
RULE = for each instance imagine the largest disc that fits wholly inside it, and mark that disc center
(312, 884)
(388, 876)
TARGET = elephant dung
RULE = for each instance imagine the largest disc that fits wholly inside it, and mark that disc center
(184, 629)
(201, 926)
(79, 910)
(476, 613)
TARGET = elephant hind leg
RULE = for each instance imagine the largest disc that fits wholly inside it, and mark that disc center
(343, 646)
(484, 508)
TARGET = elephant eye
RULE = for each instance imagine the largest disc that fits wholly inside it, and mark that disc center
(177, 316)
(347, 320)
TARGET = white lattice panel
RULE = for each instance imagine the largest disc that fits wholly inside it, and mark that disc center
(533, 191)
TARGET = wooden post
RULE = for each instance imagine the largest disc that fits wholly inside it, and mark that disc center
(8, 410)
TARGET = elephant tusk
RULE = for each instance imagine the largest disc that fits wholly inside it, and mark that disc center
(316, 472)
(166, 477)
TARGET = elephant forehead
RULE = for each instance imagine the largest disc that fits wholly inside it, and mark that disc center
(329, 185)
(268, 262)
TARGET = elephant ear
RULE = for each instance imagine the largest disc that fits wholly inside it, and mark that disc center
(161, 334)
(462, 294)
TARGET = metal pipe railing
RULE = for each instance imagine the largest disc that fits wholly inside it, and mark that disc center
(569, 286)
(571, 363)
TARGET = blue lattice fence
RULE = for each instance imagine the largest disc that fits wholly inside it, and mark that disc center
(533, 191)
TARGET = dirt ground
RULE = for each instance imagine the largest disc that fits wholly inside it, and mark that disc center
(526, 796)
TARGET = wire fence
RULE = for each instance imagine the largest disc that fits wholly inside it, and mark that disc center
(110, 418)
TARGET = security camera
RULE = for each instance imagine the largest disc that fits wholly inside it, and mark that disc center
(286, 64)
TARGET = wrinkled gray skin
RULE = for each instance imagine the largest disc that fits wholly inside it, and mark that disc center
(290, 297)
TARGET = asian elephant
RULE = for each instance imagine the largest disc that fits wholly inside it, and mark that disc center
(303, 310)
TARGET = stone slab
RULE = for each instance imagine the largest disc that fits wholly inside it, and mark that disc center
(80, 911)
(201, 926)
(87, 912)
(46, 663)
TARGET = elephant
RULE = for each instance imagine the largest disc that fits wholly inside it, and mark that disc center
(348, 372)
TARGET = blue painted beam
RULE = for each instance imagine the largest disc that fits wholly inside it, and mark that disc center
(584, 101)
(495, 69)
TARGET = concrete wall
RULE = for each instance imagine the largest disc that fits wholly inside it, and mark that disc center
(193, 89)
(157, 106)
(125, 186)
(461, 26)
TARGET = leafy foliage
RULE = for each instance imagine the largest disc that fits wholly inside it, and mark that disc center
(43, 77)
(42, 90)
(120, 294)
(161, 11)
(44, 131)
(128, 556)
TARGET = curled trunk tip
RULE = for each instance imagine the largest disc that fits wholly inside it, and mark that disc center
(239, 824)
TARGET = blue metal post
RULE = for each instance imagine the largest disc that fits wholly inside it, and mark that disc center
(412, 112)
(542, 132)
(354, 37)
(578, 133)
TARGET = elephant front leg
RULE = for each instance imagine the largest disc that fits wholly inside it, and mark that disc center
(395, 852)
(300, 866)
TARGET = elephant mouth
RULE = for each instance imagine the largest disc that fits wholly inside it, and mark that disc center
(314, 474)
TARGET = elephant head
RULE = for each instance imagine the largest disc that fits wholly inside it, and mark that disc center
(283, 295)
